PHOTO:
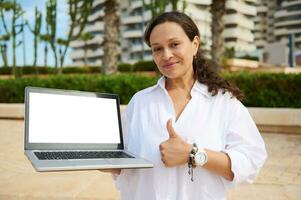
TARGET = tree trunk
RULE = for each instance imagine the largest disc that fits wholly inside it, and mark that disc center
(85, 55)
(14, 45)
(111, 37)
(35, 54)
(4, 54)
(217, 26)
(45, 55)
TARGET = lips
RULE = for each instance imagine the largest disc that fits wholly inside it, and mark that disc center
(170, 65)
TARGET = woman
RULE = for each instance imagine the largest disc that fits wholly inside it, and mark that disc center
(191, 124)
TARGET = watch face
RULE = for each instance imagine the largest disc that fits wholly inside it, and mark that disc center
(200, 158)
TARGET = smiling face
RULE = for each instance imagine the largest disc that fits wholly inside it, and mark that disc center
(172, 50)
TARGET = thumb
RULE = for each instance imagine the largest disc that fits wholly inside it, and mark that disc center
(170, 129)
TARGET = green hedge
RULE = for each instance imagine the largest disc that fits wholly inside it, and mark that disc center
(125, 67)
(144, 66)
(261, 90)
(50, 70)
(12, 90)
(138, 66)
(122, 67)
(268, 89)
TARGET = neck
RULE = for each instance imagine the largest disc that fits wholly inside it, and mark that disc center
(183, 83)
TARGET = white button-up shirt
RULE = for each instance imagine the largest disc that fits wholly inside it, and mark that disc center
(219, 123)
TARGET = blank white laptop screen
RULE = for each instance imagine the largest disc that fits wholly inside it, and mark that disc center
(55, 118)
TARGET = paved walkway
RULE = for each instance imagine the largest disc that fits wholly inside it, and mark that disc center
(280, 178)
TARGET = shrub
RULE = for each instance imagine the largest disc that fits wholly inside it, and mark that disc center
(268, 89)
(5, 70)
(261, 90)
(75, 70)
(145, 66)
(50, 70)
(12, 90)
(249, 57)
(125, 67)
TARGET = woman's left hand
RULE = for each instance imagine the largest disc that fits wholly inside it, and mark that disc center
(174, 151)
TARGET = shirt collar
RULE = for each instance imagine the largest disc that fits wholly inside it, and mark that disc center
(200, 88)
(161, 82)
(197, 87)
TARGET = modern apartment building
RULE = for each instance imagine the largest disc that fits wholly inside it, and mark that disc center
(288, 22)
(239, 25)
(134, 17)
(261, 21)
(276, 20)
(133, 22)
(95, 27)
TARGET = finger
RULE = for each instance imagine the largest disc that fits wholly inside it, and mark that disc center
(170, 129)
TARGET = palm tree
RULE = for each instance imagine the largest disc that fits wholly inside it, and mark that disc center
(111, 36)
(36, 30)
(218, 10)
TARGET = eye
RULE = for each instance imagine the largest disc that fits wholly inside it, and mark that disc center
(156, 49)
(175, 44)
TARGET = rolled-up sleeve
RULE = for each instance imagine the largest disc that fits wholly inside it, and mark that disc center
(244, 145)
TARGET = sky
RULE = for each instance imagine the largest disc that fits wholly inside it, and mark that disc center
(29, 7)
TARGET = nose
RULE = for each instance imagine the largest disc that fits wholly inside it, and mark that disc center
(167, 54)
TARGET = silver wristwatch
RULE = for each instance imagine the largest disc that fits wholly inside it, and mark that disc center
(200, 157)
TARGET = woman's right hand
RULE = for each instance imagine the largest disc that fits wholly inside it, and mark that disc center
(112, 171)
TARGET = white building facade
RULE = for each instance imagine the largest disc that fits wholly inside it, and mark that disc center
(288, 22)
(238, 32)
(276, 20)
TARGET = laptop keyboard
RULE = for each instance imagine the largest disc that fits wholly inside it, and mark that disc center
(65, 155)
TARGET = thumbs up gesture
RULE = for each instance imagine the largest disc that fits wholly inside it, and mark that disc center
(174, 151)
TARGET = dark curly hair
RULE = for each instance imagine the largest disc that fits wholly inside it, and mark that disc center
(204, 69)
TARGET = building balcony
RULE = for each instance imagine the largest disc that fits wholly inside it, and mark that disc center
(97, 2)
(138, 48)
(134, 60)
(80, 54)
(98, 26)
(77, 54)
(262, 9)
(251, 1)
(284, 31)
(287, 23)
(238, 33)
(260, 43)
(200, 15)
(240, 20)
(285, 13)
(205, 31)
(132, 19)
(198, 2)
(79, 43)
(133, 34)
(96, 15)
(259, 35)
(257, 19)
(90, 62)
(241, 7)
(298, 39)
(260, 26)
(290, 3)
(136, 4)
(148, 57)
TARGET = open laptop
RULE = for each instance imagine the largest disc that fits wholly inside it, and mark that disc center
(75, 130)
